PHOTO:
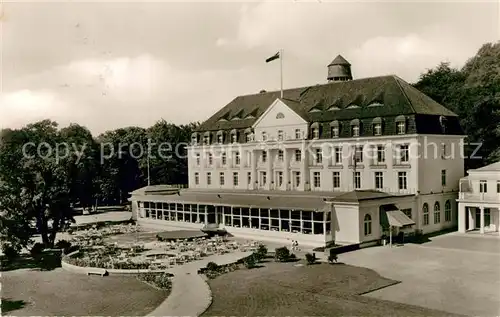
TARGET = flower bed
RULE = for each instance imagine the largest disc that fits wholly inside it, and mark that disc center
(158, 280)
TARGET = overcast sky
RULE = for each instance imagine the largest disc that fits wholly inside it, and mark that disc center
(130, 64)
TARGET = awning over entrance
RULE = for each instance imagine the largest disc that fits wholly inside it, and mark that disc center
(398, 219)
(390, 215)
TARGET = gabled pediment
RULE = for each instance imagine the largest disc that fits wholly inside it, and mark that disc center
(281, 112)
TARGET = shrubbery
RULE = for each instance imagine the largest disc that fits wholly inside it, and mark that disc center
(250, 262)
(160, 280)
(283, 254)
(10, 252)
(310, 258)
(261, 253)
(212, 266)
(36, 250)
(64, 245)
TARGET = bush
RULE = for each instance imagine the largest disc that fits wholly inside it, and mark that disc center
(160, 280)
(212, 266)
(37, 249)
(310, 258)
(282, 254)
(332, 258)
(64, 245)
(10, 252)
(250, 262)
(261, 252)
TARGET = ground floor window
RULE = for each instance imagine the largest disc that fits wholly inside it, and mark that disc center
(368, 224)
(447, 211)
(425, 211)
(437, 213)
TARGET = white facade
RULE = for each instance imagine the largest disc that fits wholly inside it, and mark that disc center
(479, 200)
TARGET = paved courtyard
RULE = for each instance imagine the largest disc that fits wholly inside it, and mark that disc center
(454, 273)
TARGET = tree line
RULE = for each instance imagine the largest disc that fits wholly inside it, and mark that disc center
(38, 190)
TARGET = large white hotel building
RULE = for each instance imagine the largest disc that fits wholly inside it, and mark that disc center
(337, 162)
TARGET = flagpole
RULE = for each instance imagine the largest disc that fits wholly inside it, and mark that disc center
(281, 71)
(149, 181)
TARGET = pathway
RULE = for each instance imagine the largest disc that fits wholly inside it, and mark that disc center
(191, 295)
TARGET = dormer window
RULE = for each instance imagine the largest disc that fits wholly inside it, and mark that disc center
(401, 124)
(248, 135)
(315, 130)
(264, 136)
(206, 138)
(280, 135)
(335, 129)
(377, 126)
(234, 136)
(353, 106)
(355, 128)
(220, 137)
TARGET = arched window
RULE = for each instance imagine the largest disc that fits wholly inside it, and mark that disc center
(280, 115)
(355, 127)
(425, 210)
(401, 124)
(437, 213)
(194, 138)
(447, 211)
(377, 126)
(368, 224)
(335, 129)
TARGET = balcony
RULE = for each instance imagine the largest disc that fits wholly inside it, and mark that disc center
(483, 197)
(335, 165)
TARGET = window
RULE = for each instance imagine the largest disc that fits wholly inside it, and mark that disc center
(263, 178)
(338, 155)
(210, 159)
(298, 134)
(355, 130)
(368, 224)
(437, 213)
(483, 186)
(377, 129)
(298, 155)
(402, 180)
(249, 178)
(403, 154)
(335, 132)
(280, 135)
(234, 137)
(447, 211)
(498, 187)
(379, 180)
(319, 156)
(280, 155)
(198, 159)
(221, 178)
(280, 178)
(237, 158)
(401, 127)
(443, 178)
(380, 154)
(264, 156)
(407, 212)
(315, 133)
(297, 179)
(264, 136)
(443, 151)
(358, 154)
(317, 180)
(336, 179)
(206, 139)
(224, 158)
(220, 138)
(280, 115)
(425, 211)
(196, 178)
(194, 140)
(209, 178)
(249, 137)
(236, 180)
(357, 180)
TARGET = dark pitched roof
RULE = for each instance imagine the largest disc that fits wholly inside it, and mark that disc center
(339, 60)
(396, 96)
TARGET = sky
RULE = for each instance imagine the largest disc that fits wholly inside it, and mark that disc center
(117, 64)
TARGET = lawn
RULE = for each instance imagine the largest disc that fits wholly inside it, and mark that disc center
(61, 293)
(284, 289)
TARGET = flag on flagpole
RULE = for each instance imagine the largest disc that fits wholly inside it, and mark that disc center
(272, 58)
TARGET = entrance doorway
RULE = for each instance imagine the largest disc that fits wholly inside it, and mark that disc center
(487, 218)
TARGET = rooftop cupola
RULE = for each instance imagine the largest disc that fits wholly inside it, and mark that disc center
(339, 70)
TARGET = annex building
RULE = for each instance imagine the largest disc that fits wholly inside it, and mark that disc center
(345, 161)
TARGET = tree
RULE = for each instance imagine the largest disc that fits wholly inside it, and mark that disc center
(473, 93)
(34, 183)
